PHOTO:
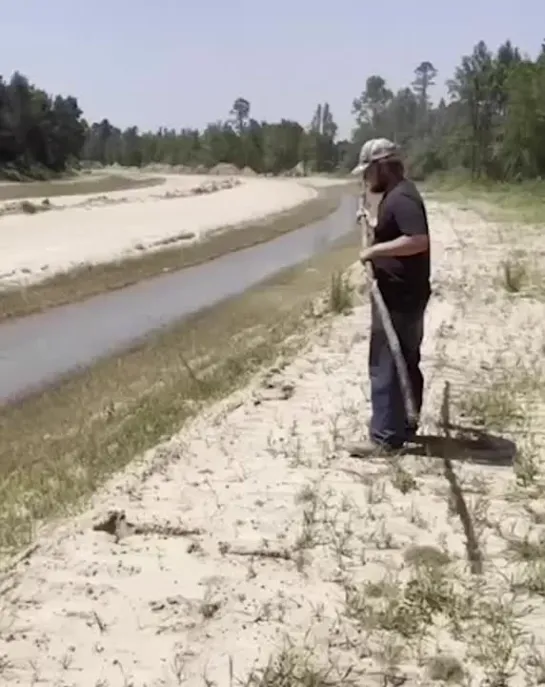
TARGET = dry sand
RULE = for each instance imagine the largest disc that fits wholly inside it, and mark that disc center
(285, 525)
(172, 184)
(95, 229)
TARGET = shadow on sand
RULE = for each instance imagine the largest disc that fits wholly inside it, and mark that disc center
(466, 444)
(471, 445)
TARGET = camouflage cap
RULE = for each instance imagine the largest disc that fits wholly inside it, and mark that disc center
(373, 150)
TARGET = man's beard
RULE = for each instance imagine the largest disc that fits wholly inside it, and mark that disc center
(377, 187)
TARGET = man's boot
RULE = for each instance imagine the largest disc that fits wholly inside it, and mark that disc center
(372, 449)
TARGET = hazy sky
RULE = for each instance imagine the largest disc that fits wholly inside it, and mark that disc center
(183, 62)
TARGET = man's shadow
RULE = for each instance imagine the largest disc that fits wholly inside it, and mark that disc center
(465, 444)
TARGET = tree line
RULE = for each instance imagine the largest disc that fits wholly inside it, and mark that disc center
(39, 133)
(239, 139)
(491, 124)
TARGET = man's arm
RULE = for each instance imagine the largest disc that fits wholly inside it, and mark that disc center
(412, 223)
(404, 246)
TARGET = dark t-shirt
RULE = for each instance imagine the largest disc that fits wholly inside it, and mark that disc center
(403, 281)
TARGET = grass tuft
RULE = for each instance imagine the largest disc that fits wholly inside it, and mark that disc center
(297, 668)
(445, 668)
(340, 294)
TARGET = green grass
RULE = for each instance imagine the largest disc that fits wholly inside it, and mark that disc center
(58, 447)
(522, 202)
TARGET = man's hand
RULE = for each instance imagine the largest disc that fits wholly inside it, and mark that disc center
(367, 254)
(362, 213)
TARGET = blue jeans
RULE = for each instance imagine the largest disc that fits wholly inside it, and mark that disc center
(389, 423)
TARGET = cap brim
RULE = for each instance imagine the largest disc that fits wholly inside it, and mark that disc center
(359, 169)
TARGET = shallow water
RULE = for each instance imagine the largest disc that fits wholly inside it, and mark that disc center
(39, 349)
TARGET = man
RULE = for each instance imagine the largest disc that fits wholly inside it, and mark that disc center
(400, 256)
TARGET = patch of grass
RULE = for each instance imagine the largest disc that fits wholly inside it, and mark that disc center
(520, 276)
(410, 610)
(505, 398)
(533, 578)
(83, 186)
(495, 407)
(383, 589)
(526, 548)
(509, 203)
(308, 536)
(90, 280)
(445, 668)
(402, 480)
(297, 668)
(426, 556)
(527, 467)
(494, 638)
(57, 447)
(522, 202)
(535, 667)
(340, 294)
(307, 494)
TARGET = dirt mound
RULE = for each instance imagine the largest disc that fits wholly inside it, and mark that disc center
(224, 169)
(248, 172)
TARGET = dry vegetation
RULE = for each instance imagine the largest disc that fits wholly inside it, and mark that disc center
(102, 183)
(424, 569)
(91, 280)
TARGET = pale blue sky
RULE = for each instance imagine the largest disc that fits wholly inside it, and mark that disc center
(183, 62)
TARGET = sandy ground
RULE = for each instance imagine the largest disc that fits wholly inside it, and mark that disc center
(255, 525)
(177, 183)
(105, 227)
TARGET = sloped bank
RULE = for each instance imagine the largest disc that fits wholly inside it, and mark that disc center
(57, 446)
(92, 279)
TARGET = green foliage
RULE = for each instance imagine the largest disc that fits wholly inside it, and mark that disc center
(268, 148)
(39, 134)
(492, 128)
